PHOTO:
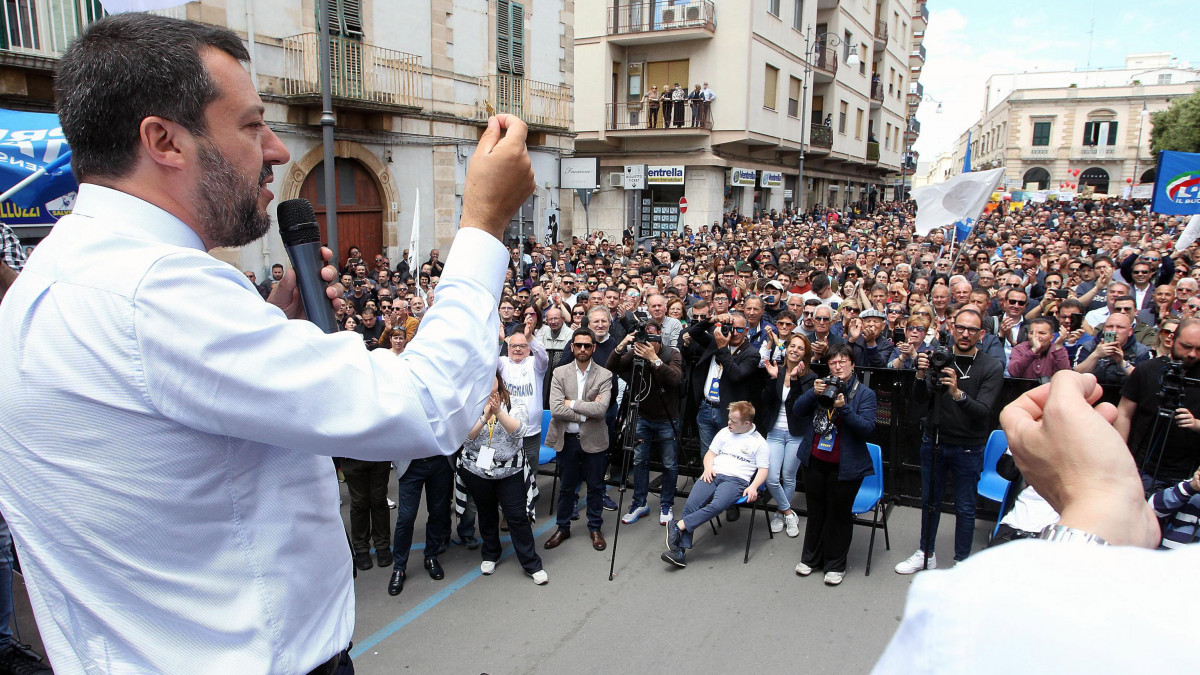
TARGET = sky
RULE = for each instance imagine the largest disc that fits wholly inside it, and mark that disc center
(969, 40)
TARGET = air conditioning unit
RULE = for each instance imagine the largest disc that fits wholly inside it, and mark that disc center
(616, 180)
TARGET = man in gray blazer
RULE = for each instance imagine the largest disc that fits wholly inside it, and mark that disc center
(579, 397)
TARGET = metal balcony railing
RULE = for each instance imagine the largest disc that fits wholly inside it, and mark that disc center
(914, 126)
(539, 103)
(1038, 152)
(632, 116)
(872, 151)
(360, 71)
(919, 52)
(821, 136)
(923, 12)
(1098, 152)
(877, 91)
(644, 17)
(825, 59)
(881, 31)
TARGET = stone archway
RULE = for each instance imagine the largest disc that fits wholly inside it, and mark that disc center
(298, 170)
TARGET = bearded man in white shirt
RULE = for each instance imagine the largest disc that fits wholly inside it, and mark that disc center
(152, 346)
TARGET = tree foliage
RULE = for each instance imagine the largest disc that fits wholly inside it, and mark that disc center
(1177, 127)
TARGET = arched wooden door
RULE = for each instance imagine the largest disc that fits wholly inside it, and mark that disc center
(359, 207)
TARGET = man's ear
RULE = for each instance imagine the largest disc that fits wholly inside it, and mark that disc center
(166, 143)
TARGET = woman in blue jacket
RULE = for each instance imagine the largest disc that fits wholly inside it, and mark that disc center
(833, 451)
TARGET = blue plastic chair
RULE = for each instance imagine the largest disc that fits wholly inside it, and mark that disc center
(870, 498)
(546, 455)
(991, 485)
(763, 496)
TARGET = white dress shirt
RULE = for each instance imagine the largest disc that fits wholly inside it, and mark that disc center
(580, 386)
(1044, 607)
(166, 437)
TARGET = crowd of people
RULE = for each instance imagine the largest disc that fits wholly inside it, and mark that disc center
(731, 329)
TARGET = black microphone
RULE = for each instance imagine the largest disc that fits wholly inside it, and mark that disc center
(302, 238)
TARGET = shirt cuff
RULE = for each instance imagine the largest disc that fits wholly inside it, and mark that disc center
(477, 255)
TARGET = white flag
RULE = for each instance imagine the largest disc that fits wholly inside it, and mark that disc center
(118, 6)
(959, 200)
(1189, 233)
(414, 240)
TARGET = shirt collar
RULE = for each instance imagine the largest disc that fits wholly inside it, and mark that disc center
(134, 215)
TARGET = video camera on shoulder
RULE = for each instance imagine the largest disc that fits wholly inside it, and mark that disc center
(1173, 382)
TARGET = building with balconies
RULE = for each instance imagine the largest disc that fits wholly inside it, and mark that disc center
(412, 82)
(785, 99)
(1087, 128)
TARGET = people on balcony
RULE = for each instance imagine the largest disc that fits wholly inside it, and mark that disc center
(668, 108)
(651, 99)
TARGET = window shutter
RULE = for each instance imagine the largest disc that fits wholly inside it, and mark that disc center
(1112, 132)
(517, 38)
(503, 33)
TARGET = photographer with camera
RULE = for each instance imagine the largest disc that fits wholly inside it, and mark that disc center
(961, 386)
(658, 412)
(837, 417)
(1164, 387)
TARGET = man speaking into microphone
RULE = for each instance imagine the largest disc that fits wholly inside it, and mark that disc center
(164, 524)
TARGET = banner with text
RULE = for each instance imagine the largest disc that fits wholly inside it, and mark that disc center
(1177, 184)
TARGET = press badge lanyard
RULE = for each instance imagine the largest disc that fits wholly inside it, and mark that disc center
(826, 442)
(486, 453)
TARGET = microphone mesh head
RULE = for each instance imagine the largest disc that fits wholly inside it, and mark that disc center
(297, 222)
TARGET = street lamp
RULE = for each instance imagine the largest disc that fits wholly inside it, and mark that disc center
(1137, 151)
(826, 39)
(908, 146)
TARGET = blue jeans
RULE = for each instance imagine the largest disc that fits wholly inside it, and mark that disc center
(662, 432)
(707, 500)
(966, 464)
(434, 475)
(710, 420)
(781, 477)
(6, 595)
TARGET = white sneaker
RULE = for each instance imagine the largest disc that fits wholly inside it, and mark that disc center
(777, 523)
(487, 566)
(916, 563)
(666, 516)
(391, 504)
(803, 570)
(834, 578)
(540, 577)
(792, 521)
(635, 514)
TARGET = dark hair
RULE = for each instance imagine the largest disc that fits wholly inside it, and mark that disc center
(125, 68)
(969, 310)
(583, 331)
(1046, 320)
(819, 283)
(841, 349)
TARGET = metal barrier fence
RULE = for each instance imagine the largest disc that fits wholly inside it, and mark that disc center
(897, 432)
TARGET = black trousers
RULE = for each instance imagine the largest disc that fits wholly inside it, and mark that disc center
(667, 108)
(435, 476)
(505, 495)
(370, 521)
(579, 466)
(652, 117)
(830, 521)
(680, 106)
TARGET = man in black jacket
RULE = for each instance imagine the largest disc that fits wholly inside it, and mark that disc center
(726, 371)
(957, 425)
(658, 416)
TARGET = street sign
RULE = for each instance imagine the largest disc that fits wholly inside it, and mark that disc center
(635, 177)
(683, 204)
(585, 196)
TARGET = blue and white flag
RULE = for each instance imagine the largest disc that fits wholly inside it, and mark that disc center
(958, 201)
(35, 160)
(967, 157)
(1177, 184)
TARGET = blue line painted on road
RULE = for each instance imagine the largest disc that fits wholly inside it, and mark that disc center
(432, 601)
(504, 539)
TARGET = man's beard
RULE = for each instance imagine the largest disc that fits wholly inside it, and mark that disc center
(228, 203)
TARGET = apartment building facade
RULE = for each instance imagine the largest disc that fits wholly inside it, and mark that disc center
(413, 83)
(785, 89)
(1090, 129)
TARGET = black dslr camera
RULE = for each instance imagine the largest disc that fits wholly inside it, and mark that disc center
(941, 357)
(834, 385)
(640, 321)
